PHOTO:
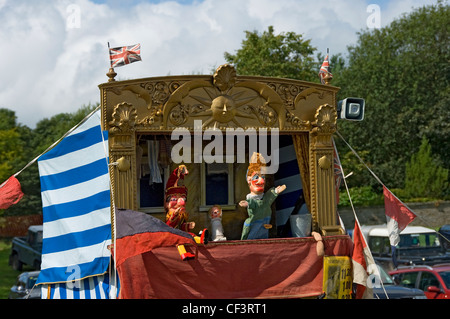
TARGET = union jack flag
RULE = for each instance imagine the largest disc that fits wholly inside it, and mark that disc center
(324, 70)
(125, 55)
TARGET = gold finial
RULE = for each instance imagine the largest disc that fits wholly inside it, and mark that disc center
(327, 78)
(111, 74)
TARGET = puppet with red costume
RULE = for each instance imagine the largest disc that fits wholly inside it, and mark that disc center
(175, 207)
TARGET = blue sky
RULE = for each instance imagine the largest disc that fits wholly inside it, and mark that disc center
(58, 49)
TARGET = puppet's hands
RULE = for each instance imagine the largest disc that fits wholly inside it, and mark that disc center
(191, 225)
(182, 170)
(279, 189)
(320, 249)
(243, 203)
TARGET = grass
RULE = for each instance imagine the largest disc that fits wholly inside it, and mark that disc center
(8, 276)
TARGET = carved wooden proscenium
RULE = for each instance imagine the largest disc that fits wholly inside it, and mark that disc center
(223, 100)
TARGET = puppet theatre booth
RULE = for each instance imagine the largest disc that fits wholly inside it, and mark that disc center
(182, 187)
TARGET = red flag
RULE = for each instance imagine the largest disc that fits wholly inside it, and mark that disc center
(396, 210)
(362, 261)
(10, 193)
(398, 216)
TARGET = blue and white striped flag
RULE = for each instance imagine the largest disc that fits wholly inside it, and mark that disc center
(96, 287)
(289, 175)
(75, 190)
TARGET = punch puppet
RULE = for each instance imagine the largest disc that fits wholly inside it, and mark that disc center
(175, 207)
(258, 203)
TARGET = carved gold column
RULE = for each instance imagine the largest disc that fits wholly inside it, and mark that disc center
(122, 152)
(323, 197)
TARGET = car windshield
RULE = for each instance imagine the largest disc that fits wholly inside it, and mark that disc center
(419, 240)
(445, 277)
(31, 281)
(386, 279)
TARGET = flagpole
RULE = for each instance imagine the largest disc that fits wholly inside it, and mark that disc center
(377, 272)
(109, 54)
(111, 73)
(112, 268)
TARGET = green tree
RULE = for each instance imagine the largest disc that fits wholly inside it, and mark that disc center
(7, 119)
(11, 145)
(14, 155)
(437, 131)
(424, 177)
(352, 165)
(402, 72)
(48, 131)
(283, 55)
(10, 151)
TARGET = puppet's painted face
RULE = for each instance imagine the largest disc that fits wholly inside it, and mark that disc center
(256, 184)
(216, 212)
(176, 204)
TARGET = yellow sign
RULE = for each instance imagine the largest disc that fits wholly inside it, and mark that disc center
(337, 277)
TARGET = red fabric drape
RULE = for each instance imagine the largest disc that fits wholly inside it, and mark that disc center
(282, 268)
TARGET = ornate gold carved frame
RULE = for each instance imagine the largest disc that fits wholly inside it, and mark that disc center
(161, 104)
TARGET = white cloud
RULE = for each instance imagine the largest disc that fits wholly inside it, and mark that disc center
(53, 60)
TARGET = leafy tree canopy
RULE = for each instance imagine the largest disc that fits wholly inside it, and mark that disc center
(425, 177)
(267, 54)
(402, 72)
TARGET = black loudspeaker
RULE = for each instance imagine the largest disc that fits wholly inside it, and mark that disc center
(351, 108)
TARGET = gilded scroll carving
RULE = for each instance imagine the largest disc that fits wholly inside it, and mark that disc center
(224, 102)
(154, 94)
(287, 92)
(296, 122)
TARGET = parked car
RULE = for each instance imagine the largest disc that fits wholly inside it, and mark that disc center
(27, 250)
(393, 290)
(433, 280)
(23, 289)
(444, 237)
(418, 245)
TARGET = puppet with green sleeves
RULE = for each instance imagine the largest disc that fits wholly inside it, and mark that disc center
(258, 203)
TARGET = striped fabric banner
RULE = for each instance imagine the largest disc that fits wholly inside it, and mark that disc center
(288, 174)
(75, 191)
(96, 287)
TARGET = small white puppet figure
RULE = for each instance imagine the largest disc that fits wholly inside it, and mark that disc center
(215, 214)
